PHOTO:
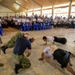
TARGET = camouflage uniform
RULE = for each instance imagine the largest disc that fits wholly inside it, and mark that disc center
(12, 41)
(22, 60)
(0, 44)
(0, 40)
(1, 64)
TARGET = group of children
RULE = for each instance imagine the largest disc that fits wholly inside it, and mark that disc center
(17, 41)
(62, 56)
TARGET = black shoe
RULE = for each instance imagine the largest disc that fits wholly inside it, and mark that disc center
(1, 64)
(17, 67)
(3, 48)
(16, 71)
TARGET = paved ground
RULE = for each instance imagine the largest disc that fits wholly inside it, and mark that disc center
(47, 67)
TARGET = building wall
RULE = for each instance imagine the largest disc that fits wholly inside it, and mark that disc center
(5, 11)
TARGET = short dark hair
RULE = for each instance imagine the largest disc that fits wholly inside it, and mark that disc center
(44, 37)
(31, 40)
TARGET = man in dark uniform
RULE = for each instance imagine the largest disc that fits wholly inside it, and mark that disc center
(21, 45)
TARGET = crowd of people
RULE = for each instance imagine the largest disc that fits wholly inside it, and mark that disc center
(58, 21)
(21, 41)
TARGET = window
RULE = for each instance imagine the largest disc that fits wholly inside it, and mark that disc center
(73, 11)
(61, 12)
(29, 13)
(37, 12)
(47, 12)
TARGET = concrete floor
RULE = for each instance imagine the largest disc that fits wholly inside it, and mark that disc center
(47, 67)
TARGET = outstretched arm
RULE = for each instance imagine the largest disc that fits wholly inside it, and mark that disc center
(42, 56)
(46, 51)
(72, 55)
(45, 43)
(29, 53)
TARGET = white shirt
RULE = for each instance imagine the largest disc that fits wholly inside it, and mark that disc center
(50, 39)
(34, 19)
(50, 50)
(39, 20)
(23, 20)
(55, 20)
(0, 20)
(27, 20)
(70, 19)
(64, 20)
(18, 20)
(47, 51)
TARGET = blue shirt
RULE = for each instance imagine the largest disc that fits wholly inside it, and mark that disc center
(21, 45)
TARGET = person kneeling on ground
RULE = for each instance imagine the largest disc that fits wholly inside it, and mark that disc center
(21, 45)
